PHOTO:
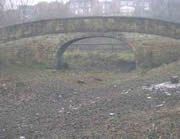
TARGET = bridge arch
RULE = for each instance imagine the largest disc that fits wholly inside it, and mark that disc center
(63, 47)
(89, 26)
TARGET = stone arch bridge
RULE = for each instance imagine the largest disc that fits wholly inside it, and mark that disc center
(78, 28)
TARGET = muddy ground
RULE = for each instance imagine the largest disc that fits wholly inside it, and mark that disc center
(40, 103)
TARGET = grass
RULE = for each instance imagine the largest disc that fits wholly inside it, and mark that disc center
(153, 53)
(41, 73)
(126, 55)
(82, 59)
(100, 61)
(87, 59)
(148, 125)
(152, 124)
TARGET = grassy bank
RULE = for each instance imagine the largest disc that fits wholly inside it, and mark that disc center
(104, 61)
(153, 53)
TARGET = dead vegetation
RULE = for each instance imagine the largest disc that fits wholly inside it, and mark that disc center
(42, 103)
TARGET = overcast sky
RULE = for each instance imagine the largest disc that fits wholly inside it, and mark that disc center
(33, 2)
(30, 2)
(37, 1)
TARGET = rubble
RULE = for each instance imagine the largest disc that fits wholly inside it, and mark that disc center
(160, 105)
(174, 79)
(111, 114)
(21, 137)
(165, 87)
(149, 97)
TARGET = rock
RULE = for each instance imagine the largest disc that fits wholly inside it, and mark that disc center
(167, 93)
(111, 114)
(98, 79)
(174, 79)
(55, 136)
(149, 97)
(115, 86)
(22, 137)
(80, 82)
(160, 105)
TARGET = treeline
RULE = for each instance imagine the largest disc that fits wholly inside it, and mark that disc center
(20, 11)
(166, 9)
(10, 13)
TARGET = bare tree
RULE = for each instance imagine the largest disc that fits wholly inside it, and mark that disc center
(2, 3)
(10, 13)
(51, 10)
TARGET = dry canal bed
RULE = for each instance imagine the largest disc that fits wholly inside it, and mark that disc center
(45, 104)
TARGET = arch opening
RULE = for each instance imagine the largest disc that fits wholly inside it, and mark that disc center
(106, 50)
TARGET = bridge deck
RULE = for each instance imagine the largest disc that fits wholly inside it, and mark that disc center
(90, 25)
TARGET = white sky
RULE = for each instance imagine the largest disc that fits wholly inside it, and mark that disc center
(37, 1)
(32, 2)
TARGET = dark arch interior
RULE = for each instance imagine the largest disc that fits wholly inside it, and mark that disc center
(61, 64)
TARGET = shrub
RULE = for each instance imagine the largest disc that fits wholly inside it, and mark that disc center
(154, 53)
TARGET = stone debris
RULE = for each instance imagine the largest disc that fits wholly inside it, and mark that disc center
(75, 93)
(92, 102)
(60, 96)
(75, 107)
(37, 114)
(111, 114)
(61, 110)
(98, 79)
(167, 93)
(3, 86)
(160, 105)
(149, 97)
(162, 87)
(81, 82)
(98, 98)
(22, 137)
(174, 79)
(115, 86)
(126, 91)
